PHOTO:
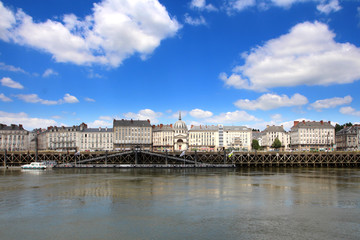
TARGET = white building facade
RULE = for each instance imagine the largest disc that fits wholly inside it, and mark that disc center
(129, 134)
(312, 136)
(237, 138)
(204, 138)
(163, 138)
(96, 139)
(13, 138)
(271, 133)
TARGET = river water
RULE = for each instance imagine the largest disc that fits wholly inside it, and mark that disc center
(274, 203)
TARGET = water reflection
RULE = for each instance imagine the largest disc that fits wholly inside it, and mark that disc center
(278, 203)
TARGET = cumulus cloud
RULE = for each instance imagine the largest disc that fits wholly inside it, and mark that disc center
(48, 72)
(298, 58)
(324, 6)
(28, 122)
(195, 21)
(11, 68)
(232, 117)
(198, 113)
(34, 98)
(331, 102)
(89, 99)
(5, 98)
(108, 118)
(350, 111)
(115, 30)
(144, 115)
(328, 6)
(8, 82)
(201, 5)
(272, 101)
(100, 123)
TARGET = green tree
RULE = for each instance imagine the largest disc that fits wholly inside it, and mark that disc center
(255, 144)
(276, 144)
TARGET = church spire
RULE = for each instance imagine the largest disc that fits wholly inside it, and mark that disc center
(180, 115)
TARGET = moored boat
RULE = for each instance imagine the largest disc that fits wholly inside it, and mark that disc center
(34, 165)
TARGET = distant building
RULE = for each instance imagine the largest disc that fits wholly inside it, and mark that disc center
(63, 138)
(13, 138)
(347, 139)
(271, 133)
(312, 136)
(204, 138)
(163, 138)
(129, 134)
(237, 137)
(257, 135)
(96, 139)
(180, 135)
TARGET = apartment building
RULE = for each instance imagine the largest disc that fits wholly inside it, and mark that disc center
(347, 139)
(13, 138)
(271, 133)
(129, 134)
(163, 138)
(204, 138)
(312, 136)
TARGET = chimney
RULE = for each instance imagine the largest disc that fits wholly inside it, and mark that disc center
(106, 129)
(329, 122)
(161, 125)
(296, 123)
(99, 129)
(148, 120)
(303, 121)
(171, 125)
(20, 126)
(192, 126)
(322, 122)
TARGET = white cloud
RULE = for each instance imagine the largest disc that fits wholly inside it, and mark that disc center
(48, 72)
(195, 21)
(100, 123)
(28, 122)
(328, 6)
(69, 99)
(5, 98)
(350, 111)
(144, 115)
(331, 102)
(8, 82)
(7, 20)
(201, 5)
(271, 101)
(198, 113)
(239, 5)
(276, 117)
(324, 6)
(34, 98)
(114, 31)
(232, 117)
(298, 58)
(108, 118)
(56, 117)
(11, 68)
(89, 99)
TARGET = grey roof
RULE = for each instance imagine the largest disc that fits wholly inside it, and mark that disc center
(236, 128)
(161, 127)
(349, 130)
(204, 128)
(11, 127)
(274, 129)
(96, 130)
(313, 124)
(256, 135)
(131, 123)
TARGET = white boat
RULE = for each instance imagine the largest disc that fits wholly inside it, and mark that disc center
(34, 165)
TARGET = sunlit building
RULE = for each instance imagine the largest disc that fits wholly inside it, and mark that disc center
(312, 136)
(130, 134)
(13, 138)
(271, 133)
(163, 138)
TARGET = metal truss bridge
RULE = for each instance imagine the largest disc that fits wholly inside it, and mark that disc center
(137, 158)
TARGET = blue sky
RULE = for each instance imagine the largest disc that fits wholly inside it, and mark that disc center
(241, 62)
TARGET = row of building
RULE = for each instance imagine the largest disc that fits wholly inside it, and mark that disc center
(129, 134)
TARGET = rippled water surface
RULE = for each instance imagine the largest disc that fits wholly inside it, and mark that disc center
(294, 203)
